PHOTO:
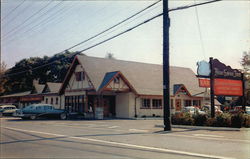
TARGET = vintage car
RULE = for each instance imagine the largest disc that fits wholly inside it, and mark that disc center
(41, 111)
(7, 110)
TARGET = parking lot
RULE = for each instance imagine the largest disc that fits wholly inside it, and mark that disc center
(116, 139)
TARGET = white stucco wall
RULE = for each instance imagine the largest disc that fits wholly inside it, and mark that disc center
(76, 85)
(122, 105)
(57, 106)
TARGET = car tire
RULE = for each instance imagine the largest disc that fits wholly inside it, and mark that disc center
(63, 116)
(32, 117)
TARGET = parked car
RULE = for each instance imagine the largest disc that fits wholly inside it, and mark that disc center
(193, 110)
(41, 110)
(7, 110)
(207, 108)
(248, 109)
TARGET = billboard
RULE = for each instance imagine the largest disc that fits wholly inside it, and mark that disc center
(228, 87)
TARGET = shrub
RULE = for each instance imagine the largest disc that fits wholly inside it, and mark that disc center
(182, 119)
(223, 120)
(211, 122)
(237, 120)
(246, 120)
(200, 119)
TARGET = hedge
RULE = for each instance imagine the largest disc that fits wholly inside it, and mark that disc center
(220, 120)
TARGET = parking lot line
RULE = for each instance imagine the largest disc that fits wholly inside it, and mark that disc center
(207, 137)
(124, 144)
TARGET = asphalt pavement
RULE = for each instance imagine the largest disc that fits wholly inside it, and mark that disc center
(116, 139)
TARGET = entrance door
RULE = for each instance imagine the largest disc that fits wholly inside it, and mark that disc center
(178, 104)
(109, 106)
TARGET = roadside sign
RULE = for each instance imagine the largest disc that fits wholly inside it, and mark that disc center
(228, 87)
(204, 83)
(203, 68)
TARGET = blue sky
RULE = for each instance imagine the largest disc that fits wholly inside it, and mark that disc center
(225, 30)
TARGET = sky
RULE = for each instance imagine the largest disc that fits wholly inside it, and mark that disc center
(35, 28)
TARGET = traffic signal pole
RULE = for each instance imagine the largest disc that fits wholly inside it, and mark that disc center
(166, 72)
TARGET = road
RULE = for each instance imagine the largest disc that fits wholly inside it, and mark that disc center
(116, 139)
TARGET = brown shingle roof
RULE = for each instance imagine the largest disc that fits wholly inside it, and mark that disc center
(145, 78)
(53, 87)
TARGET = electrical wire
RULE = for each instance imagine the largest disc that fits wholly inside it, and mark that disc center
(38, 18)
(130, 29)
(106, 29)
(11, 31)
(199, 29)
(12, 11)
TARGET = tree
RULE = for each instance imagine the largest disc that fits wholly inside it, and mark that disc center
(21, 76)
(245, 62)
(2, 79)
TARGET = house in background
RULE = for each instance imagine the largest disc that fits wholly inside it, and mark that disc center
(125, 89)
(14, 98)
(50, 94)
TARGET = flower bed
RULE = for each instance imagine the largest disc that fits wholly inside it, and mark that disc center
(220, 120)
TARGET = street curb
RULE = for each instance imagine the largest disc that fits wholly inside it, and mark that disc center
(206, 128)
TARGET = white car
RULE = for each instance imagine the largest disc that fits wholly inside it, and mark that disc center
(193, 110)
(7, 110)
(248, 109)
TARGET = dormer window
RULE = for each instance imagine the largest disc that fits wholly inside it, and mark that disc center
(80, 76)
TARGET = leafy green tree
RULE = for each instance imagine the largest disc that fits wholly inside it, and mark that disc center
(46, 69)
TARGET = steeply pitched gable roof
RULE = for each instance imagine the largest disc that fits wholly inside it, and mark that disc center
(180, 87)
(52, 87)
(145, 78)
(37, 88)
(107, 78)
(111, 76)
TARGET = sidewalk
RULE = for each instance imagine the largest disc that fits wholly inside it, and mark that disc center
(206, 128)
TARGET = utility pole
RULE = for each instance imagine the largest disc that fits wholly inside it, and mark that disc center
(166, 72)
(212, 87)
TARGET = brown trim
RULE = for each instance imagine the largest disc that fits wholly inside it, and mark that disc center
(68, 75)
(75, 62)
(78, 90)
(183, 86)
(151, 96)
(123, 78)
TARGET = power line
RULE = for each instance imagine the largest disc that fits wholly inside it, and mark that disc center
(114, 25)
(23, 10)
(30, 17)
(200, 33)
(14, 38)
(103, 31)
(12, 11)
(130, 29)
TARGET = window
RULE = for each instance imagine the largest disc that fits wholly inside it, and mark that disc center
(56, 100)
(187, 103)
(145, 103)
(80, 76)
(196, 102)
(157, 103)
(51, 101)
(46, 101)
(117, 80)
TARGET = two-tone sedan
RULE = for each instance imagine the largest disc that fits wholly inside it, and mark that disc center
(41, 111)
(7, 110)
